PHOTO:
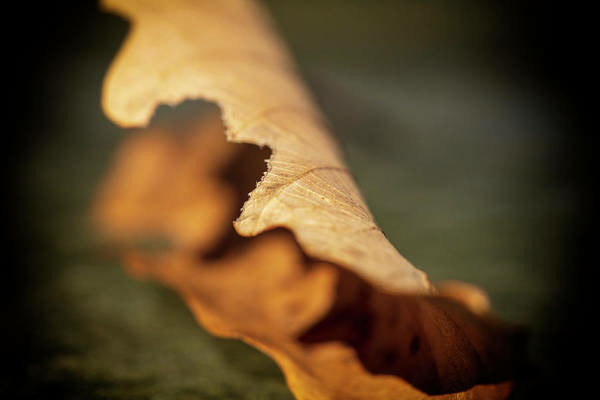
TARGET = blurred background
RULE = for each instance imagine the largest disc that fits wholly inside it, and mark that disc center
(462, 121)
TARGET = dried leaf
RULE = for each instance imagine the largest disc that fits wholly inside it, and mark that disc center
(373, 328)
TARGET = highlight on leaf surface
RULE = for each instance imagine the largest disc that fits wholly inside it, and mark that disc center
(306, 276)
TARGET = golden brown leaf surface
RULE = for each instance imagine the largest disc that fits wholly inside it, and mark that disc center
(374, 328)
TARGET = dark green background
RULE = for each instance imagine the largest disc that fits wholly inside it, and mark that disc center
(460, 121)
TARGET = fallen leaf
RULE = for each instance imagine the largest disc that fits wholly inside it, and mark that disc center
(323, 292)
